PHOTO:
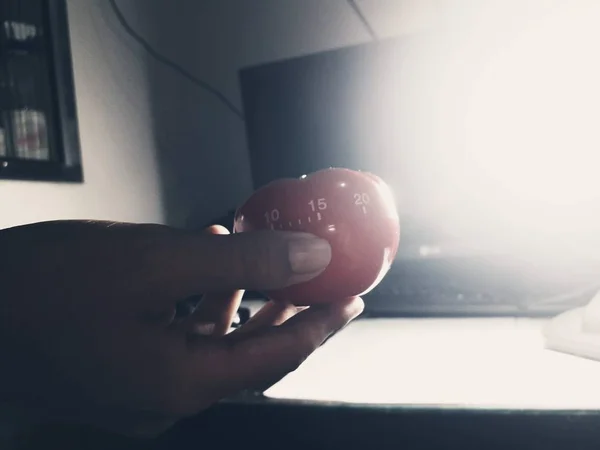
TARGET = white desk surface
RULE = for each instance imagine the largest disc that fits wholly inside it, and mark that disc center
(475, 363)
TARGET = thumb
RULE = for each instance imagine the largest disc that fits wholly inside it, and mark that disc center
(260, 260)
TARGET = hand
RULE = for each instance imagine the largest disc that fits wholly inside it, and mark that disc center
(91, 325)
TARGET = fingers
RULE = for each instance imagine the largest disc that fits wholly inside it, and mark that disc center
(188, 263)
(184, 263)
(270, 315)
(264, 259)
(159, 262)
(215, 312)
(217, 229)
(258, 359)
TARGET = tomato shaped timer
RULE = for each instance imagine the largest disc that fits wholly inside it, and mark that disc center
(354, 211)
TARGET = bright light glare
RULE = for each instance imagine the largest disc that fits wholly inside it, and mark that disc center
(532, 136)
(492, 131)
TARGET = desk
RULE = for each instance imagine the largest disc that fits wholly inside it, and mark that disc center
(474, 363)
(417, 384)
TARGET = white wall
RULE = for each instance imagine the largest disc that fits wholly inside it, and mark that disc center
(121, 177)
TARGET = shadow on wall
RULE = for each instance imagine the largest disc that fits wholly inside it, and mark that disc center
(200, 143)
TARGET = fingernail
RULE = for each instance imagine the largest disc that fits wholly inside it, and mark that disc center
(357, 308)
(309, 255)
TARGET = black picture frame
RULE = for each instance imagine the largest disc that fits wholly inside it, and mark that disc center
(63, 126)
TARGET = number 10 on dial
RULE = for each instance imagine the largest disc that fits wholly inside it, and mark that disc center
(272, 216)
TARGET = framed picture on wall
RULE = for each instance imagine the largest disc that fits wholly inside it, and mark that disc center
(39, 138)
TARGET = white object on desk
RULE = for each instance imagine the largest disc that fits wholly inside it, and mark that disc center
(482, 363)
(577, 331)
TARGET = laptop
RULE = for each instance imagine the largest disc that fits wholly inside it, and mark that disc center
(479, 238)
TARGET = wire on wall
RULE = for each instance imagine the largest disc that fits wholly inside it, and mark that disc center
(172, 65)
(363, 19)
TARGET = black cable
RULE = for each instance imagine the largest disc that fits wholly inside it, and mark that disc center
(174, 66)
(363, 19)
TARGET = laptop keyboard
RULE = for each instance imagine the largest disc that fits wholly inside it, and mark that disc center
(471, 286)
